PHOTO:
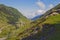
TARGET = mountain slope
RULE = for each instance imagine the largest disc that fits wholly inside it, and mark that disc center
(49, 24)
(14, 26)
(12, 22)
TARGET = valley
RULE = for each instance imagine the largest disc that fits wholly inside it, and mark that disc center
(15, 26)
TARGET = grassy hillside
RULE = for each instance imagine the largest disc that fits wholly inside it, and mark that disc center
(54, 22)
(15, 26)
(49, 27)
(53, 19)
(12, 22)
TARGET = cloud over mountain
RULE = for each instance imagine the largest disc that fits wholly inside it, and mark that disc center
(41, 4)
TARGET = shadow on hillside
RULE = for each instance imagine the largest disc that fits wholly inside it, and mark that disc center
(49, 32)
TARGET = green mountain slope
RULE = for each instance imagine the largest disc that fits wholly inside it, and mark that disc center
(49, 24)
(12, 22)
(15, 26)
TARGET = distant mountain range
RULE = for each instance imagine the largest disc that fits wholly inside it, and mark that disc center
(36, 17)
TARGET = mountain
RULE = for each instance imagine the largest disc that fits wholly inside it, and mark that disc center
(12, 22)
(36, 17)
(11, 16)
(15, 26)
(49, 24)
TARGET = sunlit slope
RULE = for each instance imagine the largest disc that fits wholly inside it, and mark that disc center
(53, 19)
(49, 25)
(54, 22)
(12, 22)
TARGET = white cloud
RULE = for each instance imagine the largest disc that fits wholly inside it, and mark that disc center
(35, 13)
(43, 8)
(39, 12)
(41, 4)
(51, 6)
(31, 15)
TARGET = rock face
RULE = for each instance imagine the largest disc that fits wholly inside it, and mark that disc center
(3, 38)
(55, 12)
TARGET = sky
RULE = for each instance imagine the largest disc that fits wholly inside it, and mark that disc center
(31, 8)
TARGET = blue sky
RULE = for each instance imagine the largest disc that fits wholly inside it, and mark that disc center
(31, 8)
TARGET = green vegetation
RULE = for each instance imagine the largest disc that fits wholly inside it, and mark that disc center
(12, 22)
(50, 26)
(15, 26)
